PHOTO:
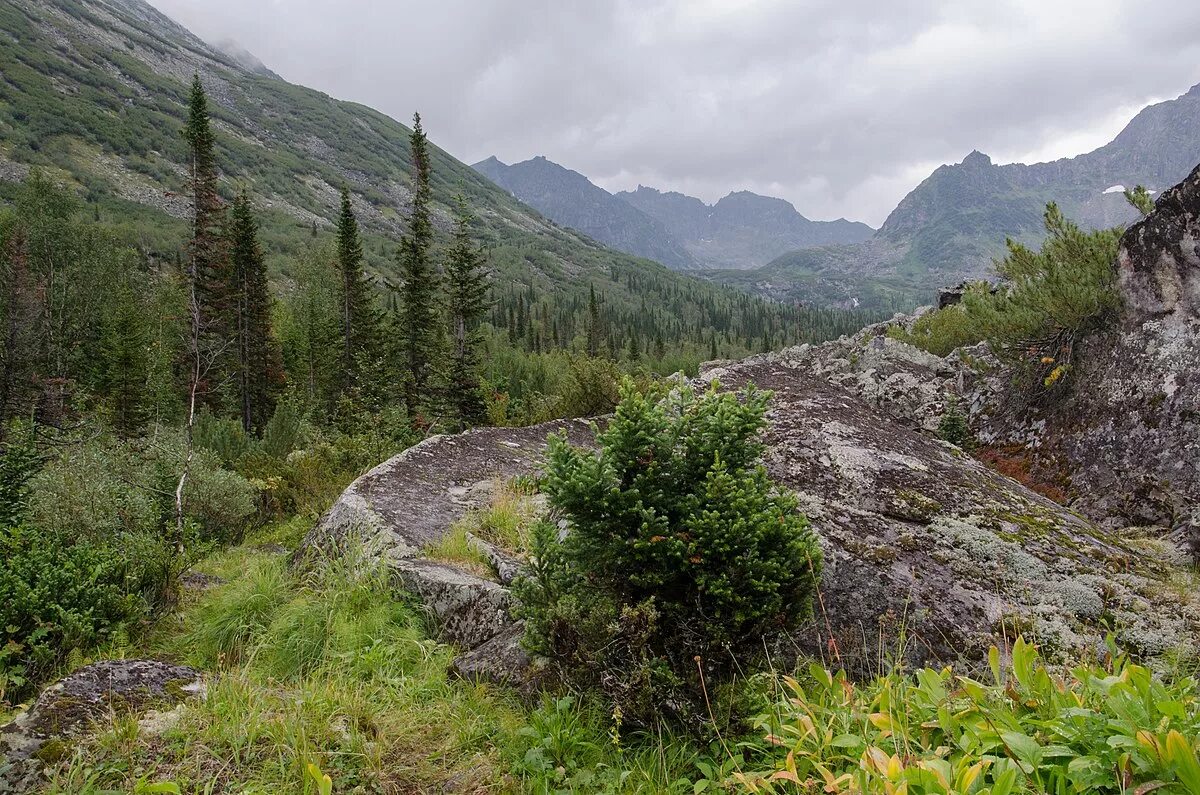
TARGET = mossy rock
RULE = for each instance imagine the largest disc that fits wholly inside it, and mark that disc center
(43, 735)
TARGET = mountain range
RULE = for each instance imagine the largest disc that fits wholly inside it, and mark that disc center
(742, 230)
(955, 222)
(950, 227)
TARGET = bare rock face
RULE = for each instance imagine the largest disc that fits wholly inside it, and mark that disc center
(1131, 429)
(408, 503)
(67, 709)
(1159, 262)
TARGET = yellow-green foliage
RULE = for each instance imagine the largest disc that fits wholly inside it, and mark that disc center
(1093, 729)
(1068, 286)
(456, 547)
(942, 331)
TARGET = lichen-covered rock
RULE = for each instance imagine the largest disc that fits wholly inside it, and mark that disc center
(67, 709)
(922, 540)
(407, 504)
(501, 659)
(1131, 427)
(1158, 266)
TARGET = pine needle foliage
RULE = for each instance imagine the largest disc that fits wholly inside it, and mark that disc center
(358, 318)
(258, 365)
(466, 287)
(1048, 299)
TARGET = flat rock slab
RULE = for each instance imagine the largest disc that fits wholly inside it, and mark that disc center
(67, 710)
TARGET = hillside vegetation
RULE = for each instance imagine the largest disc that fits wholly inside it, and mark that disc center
(94, 93)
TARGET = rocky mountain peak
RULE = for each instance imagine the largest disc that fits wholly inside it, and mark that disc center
(976, 159)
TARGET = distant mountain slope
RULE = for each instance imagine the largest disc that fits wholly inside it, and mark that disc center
(742, 230)
(955, 222)
(568, 198)
(94, 91)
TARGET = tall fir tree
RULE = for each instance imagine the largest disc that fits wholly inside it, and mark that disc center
(419, 312)
(311, 328)
(257, 368)
(635, 345)
(358, 319)
(466, 303)
(595, 327)
(209, 279)
(125, 358)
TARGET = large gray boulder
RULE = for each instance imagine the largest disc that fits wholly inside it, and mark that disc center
(66, 710)
(923, 542)
(395, 512)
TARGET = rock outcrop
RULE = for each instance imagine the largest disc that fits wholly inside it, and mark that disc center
(1129, 433)
(66, 710)
(921, 540)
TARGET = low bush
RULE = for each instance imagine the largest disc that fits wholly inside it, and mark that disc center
(60, 595)
(1111, 729)
(104, 487)
(1047, 300)
(680, 553)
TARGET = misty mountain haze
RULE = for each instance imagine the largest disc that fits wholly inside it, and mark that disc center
(841, 109)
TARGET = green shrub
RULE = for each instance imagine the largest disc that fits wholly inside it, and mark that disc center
(104, 487)
(1094, 729)
(283, 432)
(19, 463)
(678, 548)
(953, 426)
(57, 596)
(593, 387)
(945, 330)
(221, 436)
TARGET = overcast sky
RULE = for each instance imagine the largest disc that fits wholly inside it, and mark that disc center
(839, 106)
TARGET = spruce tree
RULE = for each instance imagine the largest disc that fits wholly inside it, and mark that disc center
(257, 365)
(125, 360)
(358, 320)
(311, 328)
(418, 332)
(209, 279)
(595, 328)
(466, 302)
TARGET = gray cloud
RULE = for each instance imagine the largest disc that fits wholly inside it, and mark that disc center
(840, 106)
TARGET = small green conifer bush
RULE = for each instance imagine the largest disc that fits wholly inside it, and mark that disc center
(679, 555)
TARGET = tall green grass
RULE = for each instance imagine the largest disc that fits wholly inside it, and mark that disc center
(334, 669)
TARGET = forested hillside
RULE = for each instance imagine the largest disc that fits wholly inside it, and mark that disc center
(94, 95)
